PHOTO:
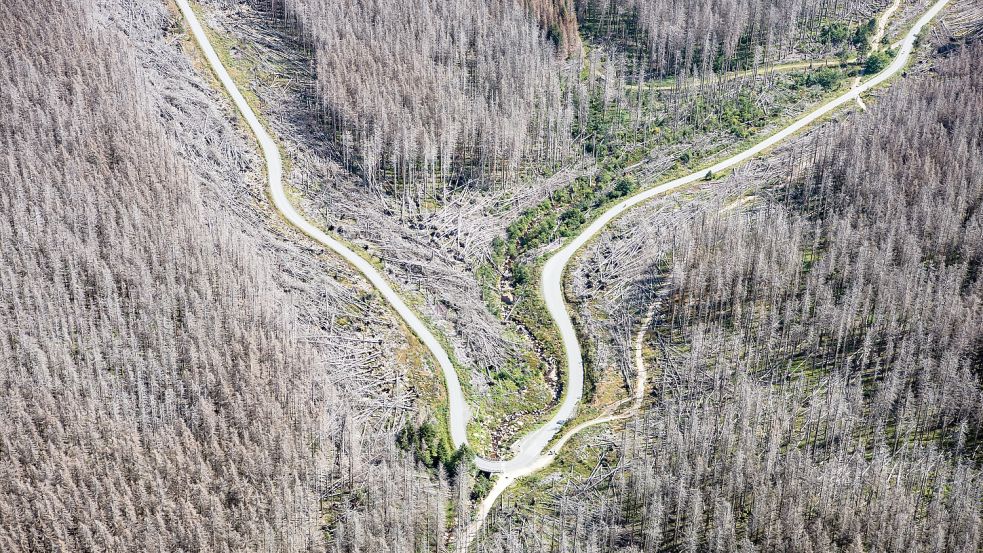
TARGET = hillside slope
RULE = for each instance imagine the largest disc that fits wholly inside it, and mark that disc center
(815, 356)
(160, 387)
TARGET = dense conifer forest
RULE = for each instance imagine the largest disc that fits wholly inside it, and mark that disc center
(156, 393)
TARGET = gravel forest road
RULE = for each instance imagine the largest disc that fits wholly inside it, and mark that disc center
(531, 446)
(528, 451)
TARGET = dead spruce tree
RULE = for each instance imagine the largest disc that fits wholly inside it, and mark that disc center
(424, 95)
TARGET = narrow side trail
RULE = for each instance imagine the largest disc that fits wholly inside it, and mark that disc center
(875, 41)
(882, 24)
(610, 414)
(529, 451)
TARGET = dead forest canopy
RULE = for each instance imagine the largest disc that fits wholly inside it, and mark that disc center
(818, 358)
(666, 38)
(820, 380)
(422, 97)
(155, 392)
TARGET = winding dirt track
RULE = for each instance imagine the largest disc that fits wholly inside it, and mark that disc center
(529, 453)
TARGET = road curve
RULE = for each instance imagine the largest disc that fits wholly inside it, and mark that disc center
(528, 450)
(274, 169)
(532, 445)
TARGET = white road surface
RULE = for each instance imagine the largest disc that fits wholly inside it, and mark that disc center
(528, 451)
